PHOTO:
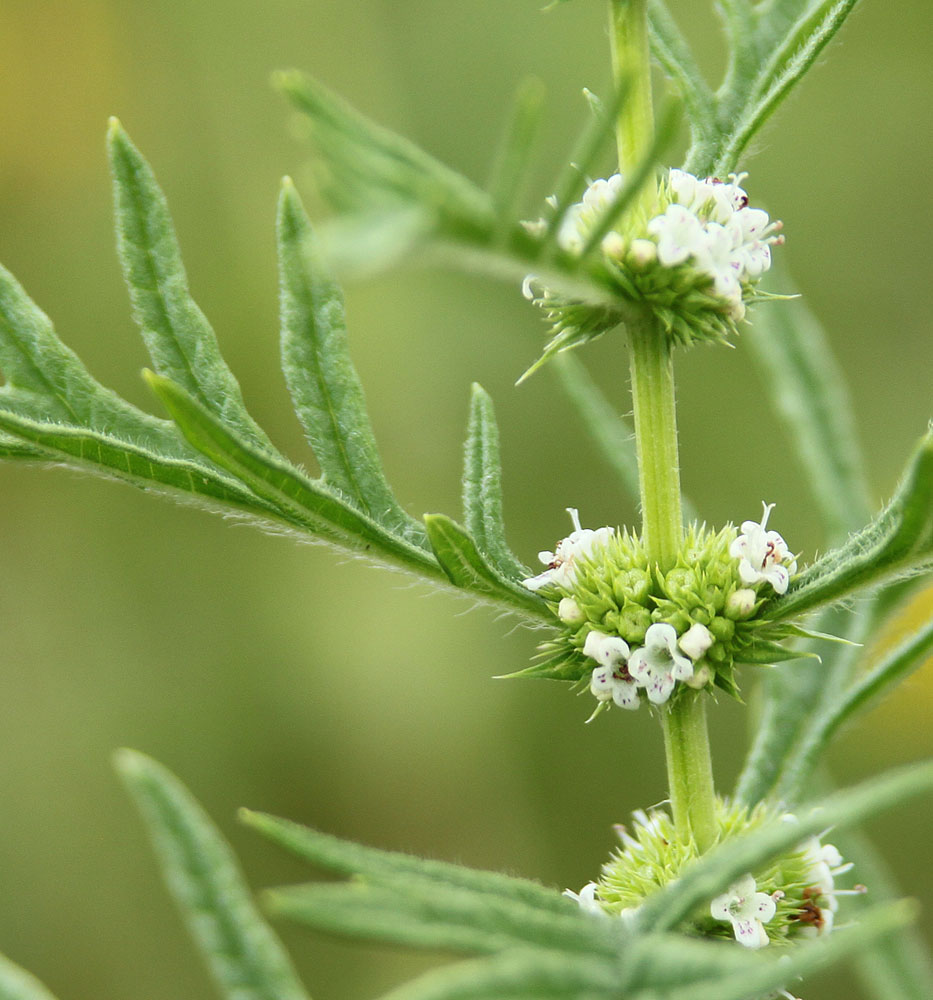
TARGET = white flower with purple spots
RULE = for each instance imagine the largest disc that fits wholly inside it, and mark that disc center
(747, 910)
(659, 664)
(611, 680)
(763, 555)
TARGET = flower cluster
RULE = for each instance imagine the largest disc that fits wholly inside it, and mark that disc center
(793, 896)
(694, 258)
(636, 633)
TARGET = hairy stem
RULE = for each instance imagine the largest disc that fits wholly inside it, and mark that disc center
(631, 68)
(689, 768)
(655, 418)
(686, 741)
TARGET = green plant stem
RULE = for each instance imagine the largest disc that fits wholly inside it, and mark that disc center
(655, 418)
(690, 768)
(686, 740)
(631, 67)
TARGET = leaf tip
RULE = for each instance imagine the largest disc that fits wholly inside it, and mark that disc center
(287, 80)
(129, 763)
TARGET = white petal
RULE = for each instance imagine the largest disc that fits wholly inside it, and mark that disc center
(659, 686)
(601, 684)
(660, 635)
(638, 664)
(749, 933)
(625, 694)
(778, 577)
(765, 907)
(719, 908)
(831, 855)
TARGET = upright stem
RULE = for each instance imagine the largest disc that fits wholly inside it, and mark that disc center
(631, 68)
(690, 768)
(652, 370)
(686, 741)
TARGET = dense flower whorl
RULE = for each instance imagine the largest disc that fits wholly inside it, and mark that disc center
(791, 897)
(637, 634)
(694, 258)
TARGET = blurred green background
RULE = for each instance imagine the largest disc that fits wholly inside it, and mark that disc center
(289, 679)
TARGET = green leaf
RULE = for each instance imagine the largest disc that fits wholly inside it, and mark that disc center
(245, 958)
(790, 61)
(897, 543)
(892, 668)
(321, 378)
(721, 866)
(420, 912)
(347, 858)
(661, 961)
(374, 168)
(467, 569)
(51, 409)
(107, 455)
(179, 338)
(299, 500)
(673, 53)
(808, 392)
(516, 973)
(374, 913)
(795, 694)
(898, 967)
(482, 487)
(510, 170)
(17, 984)
(596, 136)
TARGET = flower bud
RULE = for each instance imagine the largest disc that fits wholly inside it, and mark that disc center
(642, 254)
(570, 612)
(696, 641)
(741, 604)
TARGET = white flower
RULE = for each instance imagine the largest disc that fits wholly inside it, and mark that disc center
(717, 257)
(586, 898)
(658, 664)
(679, 233)
(747, 910)
(696, 640)
(581, 218)
(763, 555)
(561, 563)
(611, 680)
(752, 234)
(825, 862)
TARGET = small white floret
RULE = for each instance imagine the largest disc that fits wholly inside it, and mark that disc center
(561, 563)
(763, 555)
(659, 664)
(586, 899)
(747, 910)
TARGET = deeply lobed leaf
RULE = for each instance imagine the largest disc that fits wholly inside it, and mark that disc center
(322, 379)
(246, 959)
(179, 338)
(898, 542)
(347, 858)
